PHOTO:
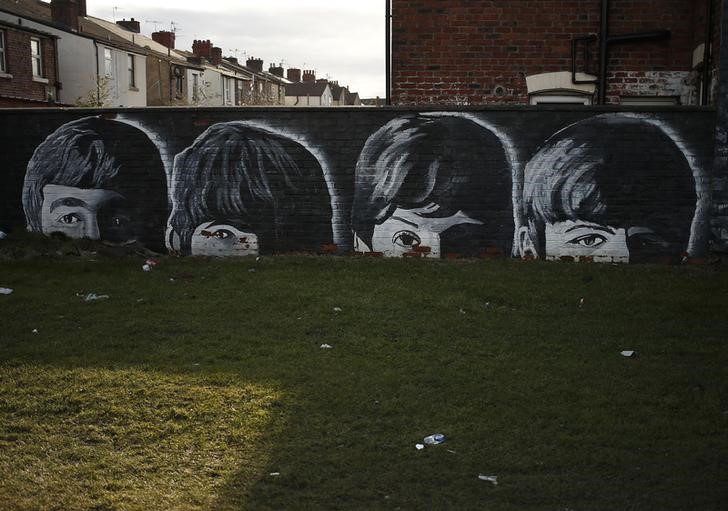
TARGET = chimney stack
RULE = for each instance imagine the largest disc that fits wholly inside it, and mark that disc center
(309, 75)
(132, 25)
(66, 12)
(232, 60)
(164, 37)
(216, 56)
(276, 70)
(202, 48)
(293, 74)
(255, 64)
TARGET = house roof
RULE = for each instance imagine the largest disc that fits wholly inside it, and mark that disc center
(306, 89)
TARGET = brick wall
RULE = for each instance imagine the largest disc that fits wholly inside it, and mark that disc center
(588, 183)
(20, 89)
(458, 52)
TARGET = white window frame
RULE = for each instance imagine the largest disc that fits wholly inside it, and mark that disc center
(559, 99)
(131, 64)
(227, 86)
(108, 63)
(3, 62)
(36, 59)
(195, 86)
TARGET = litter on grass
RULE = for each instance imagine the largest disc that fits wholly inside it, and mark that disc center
(35, 330)
(93, 296)
(275, 474)
(490, 479)
(2, 235)
(326, 346)
(5, 290)
(435, 439)
(146, 267)
(337, 309)
(627, 353)
(419, 447)
(251, 270)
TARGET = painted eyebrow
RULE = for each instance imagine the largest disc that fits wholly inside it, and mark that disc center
(590, 226)
(405, 221)
(68, 201)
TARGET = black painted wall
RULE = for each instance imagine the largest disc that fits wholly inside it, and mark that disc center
(600, 184)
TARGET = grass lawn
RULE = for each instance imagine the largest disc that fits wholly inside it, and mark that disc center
(203, 385)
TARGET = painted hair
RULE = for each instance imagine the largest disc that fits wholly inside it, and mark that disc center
(98, 153)
(259, 180)
(611, 170)
(448, 160)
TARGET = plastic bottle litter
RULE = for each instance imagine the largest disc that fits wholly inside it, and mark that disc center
(435, 439)
(490, 479)
(5, 290)
(627, 353)
(93, 296)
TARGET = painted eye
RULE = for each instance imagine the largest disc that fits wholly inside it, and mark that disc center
(406, 239)
(589, 240)
(222, 234)
(70, 218)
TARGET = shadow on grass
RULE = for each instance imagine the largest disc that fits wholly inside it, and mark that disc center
(523, 377)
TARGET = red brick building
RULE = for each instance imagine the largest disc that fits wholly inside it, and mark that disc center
(533, 51)
(28, 69)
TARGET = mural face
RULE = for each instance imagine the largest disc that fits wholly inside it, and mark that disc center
(84, 181)
(211, 238)
(614, 187)
(434, 185)
(589, 192)
(243, 190)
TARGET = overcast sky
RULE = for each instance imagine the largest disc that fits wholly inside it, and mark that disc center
(342, 40)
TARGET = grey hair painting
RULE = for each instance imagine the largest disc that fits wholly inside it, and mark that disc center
(591, 192)
(241, 190)
(97, 178)
(433, 185)
(574, 184)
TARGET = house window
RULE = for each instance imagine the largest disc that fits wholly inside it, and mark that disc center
(179, 85)
(195, 86)
(3, 65)
(559, 99)
(227, 85)
(132, 71)
(36, 58)
(108, 63)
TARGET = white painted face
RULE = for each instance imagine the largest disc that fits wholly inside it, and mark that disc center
(221, 239)
(601, 242)
(85, 213)
(408, 230)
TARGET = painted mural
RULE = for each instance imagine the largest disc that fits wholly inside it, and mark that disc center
(613, 187)
(588, 193)
(100, 179)
(242, 190)
(434, 184)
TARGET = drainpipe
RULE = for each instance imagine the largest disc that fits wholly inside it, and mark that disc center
(707, 57)
(603, 34)
(388, 50)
